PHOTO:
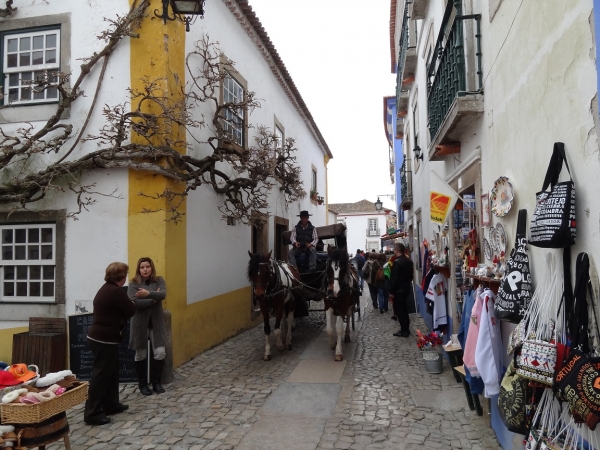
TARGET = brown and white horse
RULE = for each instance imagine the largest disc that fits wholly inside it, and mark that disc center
(272, 287)
(342, 295)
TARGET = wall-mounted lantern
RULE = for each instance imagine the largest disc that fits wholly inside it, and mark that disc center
(181, 8)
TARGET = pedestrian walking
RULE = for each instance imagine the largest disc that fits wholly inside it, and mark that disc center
(380, 283)
(148, 291)
(360, 260)
(112, 308)
(400, 285)
(369, 270)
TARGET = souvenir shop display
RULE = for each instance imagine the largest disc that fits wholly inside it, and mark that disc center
(553, 223)
(514, 293)
(500, 238)
(436, 294)
(581, 370)
(513, 401)
(538, 355)
(487, 249)
(488, 350)
(502, 197)
(33, 408)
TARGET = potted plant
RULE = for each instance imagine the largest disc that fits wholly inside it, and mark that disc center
(313, 194)
(320, 200)
(429, 345)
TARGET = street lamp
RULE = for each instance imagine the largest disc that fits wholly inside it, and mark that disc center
(181, 8)
(418, 154)
(378, 204)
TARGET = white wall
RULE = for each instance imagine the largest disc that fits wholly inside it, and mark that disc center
(98, 237)
(209, 236)
(356, 230)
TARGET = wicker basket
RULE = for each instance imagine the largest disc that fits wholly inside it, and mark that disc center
(23, 413)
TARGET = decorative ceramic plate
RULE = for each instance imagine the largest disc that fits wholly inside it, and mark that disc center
(501, 237)
(502, 197)
(492, 238)
(487, 250)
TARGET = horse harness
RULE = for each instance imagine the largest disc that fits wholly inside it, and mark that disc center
(279, 285)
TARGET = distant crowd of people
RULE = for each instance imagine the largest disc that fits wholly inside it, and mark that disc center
(389, 278)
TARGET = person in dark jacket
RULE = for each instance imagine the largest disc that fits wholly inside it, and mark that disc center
(112, 308)
(304, 238)
(360, 260)
(148, 291)
(400, 285)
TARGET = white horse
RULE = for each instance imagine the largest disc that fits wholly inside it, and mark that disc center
(342, 293)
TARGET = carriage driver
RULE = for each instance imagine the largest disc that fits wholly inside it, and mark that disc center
(304, 239)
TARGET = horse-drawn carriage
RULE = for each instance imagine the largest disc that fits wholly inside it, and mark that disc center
(312, 287)
(281, 289)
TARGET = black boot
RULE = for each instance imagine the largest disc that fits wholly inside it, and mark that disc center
(140, 368)
(157, 369)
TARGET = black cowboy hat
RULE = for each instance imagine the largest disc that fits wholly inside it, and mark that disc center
(304, 214)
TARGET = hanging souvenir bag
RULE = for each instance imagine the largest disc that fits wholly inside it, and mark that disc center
(512, 401)
(553, 222)
(578, 381)
(515, 293)
(537, 359)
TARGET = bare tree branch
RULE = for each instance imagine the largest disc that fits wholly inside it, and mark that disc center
(244, 176)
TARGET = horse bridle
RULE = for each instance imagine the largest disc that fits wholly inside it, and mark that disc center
(339, 280)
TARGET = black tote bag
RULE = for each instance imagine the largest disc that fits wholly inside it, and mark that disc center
(514, 293)
(553, 222)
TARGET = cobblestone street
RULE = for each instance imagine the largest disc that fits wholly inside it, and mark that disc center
(228, 398)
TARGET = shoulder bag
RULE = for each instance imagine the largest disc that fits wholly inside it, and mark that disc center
(553, 222)
(514, 293)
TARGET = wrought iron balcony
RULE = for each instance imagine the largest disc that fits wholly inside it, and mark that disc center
(455, 79)
(406, 185)
(402, 47)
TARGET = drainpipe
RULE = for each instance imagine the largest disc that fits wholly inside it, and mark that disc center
(596, 31)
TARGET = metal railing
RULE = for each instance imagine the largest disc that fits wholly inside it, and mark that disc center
(403, 47)
(406, 182)
(448, 74)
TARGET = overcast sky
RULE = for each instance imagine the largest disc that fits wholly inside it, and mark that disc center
(338, 54)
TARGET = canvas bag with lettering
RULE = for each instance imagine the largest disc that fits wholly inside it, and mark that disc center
(514, 293)
(553, 222)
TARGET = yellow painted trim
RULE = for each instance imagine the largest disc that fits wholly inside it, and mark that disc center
(159, 55)
(212, 321)
(6, 341)
(326, 160)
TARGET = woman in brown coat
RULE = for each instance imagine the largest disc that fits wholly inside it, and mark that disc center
(148, 291)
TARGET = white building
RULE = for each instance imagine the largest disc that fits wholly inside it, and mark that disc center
(364, 224)
(203, 258)
(485, 88)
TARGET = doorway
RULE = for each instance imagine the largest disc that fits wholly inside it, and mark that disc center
(280, 249)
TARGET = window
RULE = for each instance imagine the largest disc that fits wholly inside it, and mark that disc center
(28, 262)
(372, 230)
(313, 180)
(372, 246)
(279, 170)
(233, 92)
(29, 57)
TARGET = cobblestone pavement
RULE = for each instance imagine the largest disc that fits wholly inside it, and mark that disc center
(387, 399)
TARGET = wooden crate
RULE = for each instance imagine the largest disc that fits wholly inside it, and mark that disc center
(48, 351)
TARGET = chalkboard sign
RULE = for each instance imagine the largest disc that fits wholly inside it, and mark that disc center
(81, 358)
